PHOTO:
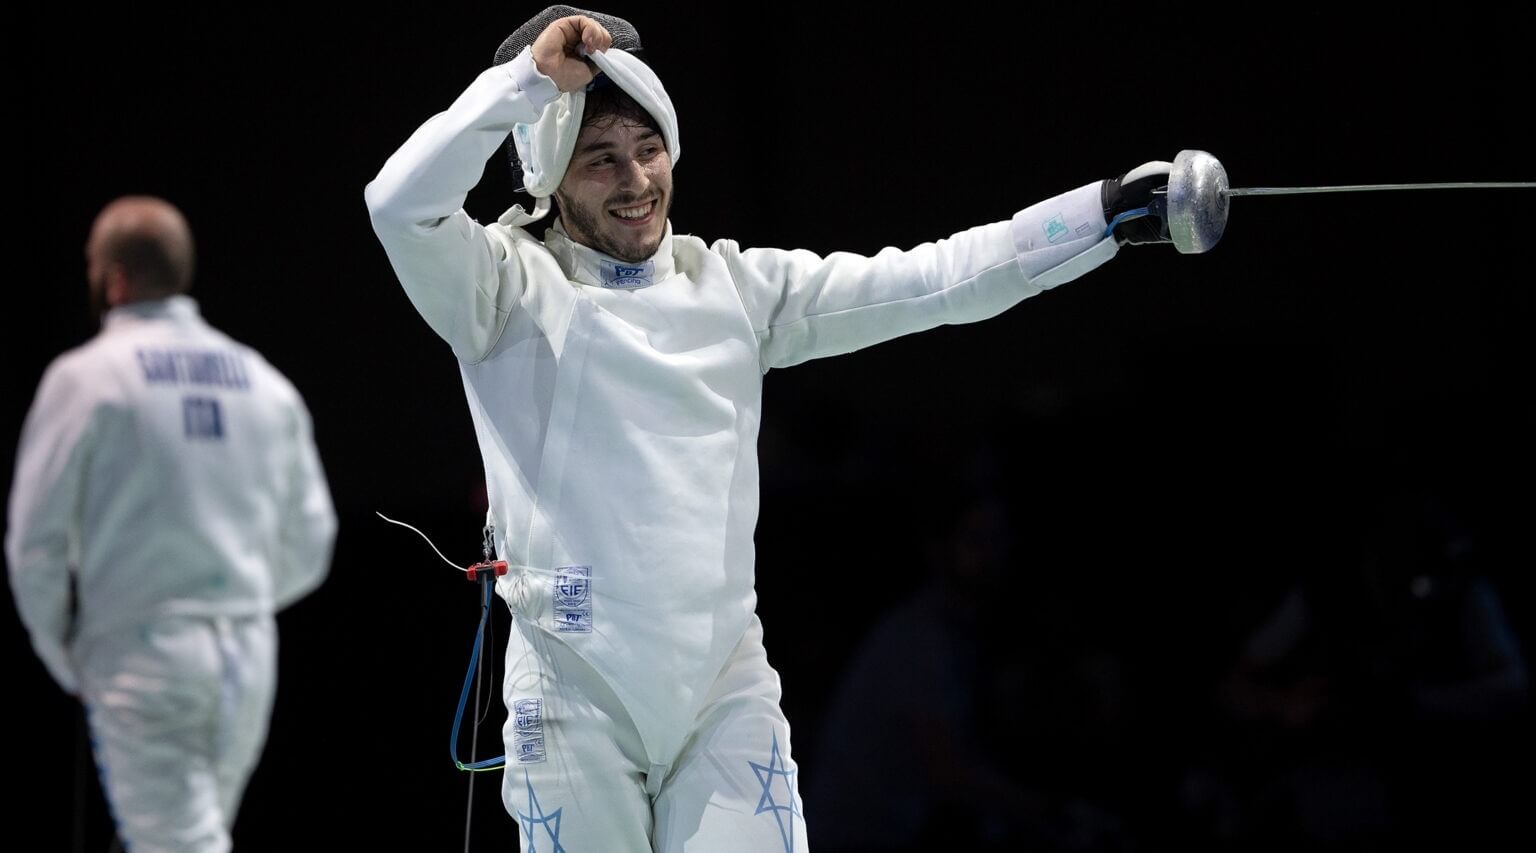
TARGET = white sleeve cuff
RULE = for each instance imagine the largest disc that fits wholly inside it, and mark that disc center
(530, 80)
(1063, 237)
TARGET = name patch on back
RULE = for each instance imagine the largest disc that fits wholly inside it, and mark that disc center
(211, 368)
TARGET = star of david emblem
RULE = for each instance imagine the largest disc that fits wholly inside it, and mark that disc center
(784, 814)
(536, 818)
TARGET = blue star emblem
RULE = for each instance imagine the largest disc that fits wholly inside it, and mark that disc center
(776, 768)
(536, 817)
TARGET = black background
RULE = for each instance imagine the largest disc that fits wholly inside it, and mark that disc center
(1175, 425)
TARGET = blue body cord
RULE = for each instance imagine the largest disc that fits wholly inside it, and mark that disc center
(474, 658)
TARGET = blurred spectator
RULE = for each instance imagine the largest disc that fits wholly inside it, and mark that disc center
(959, 708)
(1369, 705)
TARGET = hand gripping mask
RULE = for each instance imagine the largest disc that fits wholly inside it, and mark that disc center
(540, 152)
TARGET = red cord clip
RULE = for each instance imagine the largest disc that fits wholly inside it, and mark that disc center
(499, 565)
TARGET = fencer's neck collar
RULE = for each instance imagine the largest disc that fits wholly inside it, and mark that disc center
(179, 307)
(585, 265)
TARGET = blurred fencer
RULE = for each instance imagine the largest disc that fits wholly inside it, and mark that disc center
(168, 500)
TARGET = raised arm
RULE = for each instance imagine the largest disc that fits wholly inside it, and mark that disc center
(462, 278)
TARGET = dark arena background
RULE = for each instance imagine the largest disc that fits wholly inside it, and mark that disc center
(1043, 560)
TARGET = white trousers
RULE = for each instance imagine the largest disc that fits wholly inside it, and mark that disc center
(578, 779)
(178, 712)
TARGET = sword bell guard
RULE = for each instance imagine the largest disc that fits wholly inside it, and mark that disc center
(1197, 202)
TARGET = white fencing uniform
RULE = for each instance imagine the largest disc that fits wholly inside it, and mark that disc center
(617, 407)
(170, 473)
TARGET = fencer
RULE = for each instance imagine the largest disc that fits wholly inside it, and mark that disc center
(614, 375)
(168, 500)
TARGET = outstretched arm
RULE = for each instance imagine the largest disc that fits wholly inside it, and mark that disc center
(806, 306)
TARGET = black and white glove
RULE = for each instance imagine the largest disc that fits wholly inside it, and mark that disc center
(1133, 191)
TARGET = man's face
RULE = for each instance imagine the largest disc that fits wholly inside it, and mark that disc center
(618, 190)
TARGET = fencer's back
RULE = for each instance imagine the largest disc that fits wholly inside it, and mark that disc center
(193, 460)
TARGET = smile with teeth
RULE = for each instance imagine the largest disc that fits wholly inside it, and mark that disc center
(635, 213)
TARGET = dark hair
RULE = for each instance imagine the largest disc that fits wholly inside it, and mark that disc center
(154, 265)
(607, 103)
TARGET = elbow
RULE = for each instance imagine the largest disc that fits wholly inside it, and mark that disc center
(390, 208)
(384, 207)
(394, 212)
(328, 534)
(322, 527)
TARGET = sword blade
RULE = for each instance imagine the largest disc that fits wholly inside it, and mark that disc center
(1360, 188)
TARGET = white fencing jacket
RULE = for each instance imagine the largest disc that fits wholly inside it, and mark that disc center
(616, 405)
(173, 472)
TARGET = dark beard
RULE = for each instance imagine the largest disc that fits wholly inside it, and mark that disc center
(581, 219)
